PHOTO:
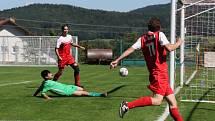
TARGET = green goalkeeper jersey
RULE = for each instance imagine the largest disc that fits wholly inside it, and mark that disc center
(58, 88)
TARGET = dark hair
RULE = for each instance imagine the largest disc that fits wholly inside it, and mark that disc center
(65, 25)
(45, 73)
(154, 25)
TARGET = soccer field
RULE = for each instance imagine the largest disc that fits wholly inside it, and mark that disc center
(18, 84)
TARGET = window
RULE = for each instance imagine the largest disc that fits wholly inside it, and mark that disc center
(15, 49)
(4, 48)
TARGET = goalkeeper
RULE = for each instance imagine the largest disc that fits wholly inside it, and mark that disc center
(61, 89)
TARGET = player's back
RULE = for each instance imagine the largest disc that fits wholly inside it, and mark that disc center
(154, 53)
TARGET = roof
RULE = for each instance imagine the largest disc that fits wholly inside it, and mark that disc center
(12, 22)
(208, 2)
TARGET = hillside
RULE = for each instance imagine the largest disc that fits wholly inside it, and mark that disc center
(162, 11)
(46, 19)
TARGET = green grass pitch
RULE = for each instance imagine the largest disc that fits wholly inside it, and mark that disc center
(17, 102)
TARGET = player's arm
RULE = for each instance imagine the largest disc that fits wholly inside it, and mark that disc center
(57, 53)
(136, 45)
(114, 63)
(40, 88)
(171, 47)
(76, 45)
(43, 93)
(47, 87)
(37, 91)
(59, 42)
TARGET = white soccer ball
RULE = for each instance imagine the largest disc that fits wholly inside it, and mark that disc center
(123, 71)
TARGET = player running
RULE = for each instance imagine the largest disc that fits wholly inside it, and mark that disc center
(62, 89)
(154, 45)
(62, 50)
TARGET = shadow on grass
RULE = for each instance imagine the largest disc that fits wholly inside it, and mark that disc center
(207, 109)
(115, 89)
(197, 104)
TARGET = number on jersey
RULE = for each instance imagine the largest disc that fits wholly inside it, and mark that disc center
(151, 48)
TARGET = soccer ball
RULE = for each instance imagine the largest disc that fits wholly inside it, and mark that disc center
(123, 72)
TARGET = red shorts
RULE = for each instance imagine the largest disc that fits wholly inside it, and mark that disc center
(65, 61)
(159, 84)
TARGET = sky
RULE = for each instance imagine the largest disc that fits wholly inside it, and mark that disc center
(109, 5)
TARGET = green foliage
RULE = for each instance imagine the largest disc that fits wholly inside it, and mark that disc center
(52, 33)
(96, 27)
(46, 19)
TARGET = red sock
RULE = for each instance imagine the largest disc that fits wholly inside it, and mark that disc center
(77, 80)
(143, 101)
(175, 114)
(56, 76)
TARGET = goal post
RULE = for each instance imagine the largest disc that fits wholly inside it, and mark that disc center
(197, 27)
(30, 50)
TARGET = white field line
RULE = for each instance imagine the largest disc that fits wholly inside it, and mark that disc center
(1, 85)
(191, 77)
(198, 101)
(164, 115)
(166, 111)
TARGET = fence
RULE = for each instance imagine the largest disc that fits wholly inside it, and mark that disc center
(30, 50)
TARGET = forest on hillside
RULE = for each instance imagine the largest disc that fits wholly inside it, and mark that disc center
(46, 19)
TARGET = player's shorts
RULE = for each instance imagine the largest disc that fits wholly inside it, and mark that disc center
(70, 90)
(65, 61)
(159, 84)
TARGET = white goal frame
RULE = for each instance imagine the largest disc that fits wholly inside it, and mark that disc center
(182, 27)
(183, 80)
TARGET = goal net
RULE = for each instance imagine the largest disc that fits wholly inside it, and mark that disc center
(199, 51)
(30, 50)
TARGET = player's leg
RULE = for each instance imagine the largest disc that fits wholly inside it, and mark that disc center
(61, 65)
(97, 94)
(80, 88)
(157, 88)
(92, 94)
(141, 102)
(76, 74)
(173, 107)
(158, 93)
(58, 74)
(80, 93)
(146, 101)
(156, 99)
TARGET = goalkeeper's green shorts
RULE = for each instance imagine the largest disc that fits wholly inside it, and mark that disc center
(67, 90)
(70, 90)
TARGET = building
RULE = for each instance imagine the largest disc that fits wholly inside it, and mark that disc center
(19, 47)
(8, 27)
(10, 43)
